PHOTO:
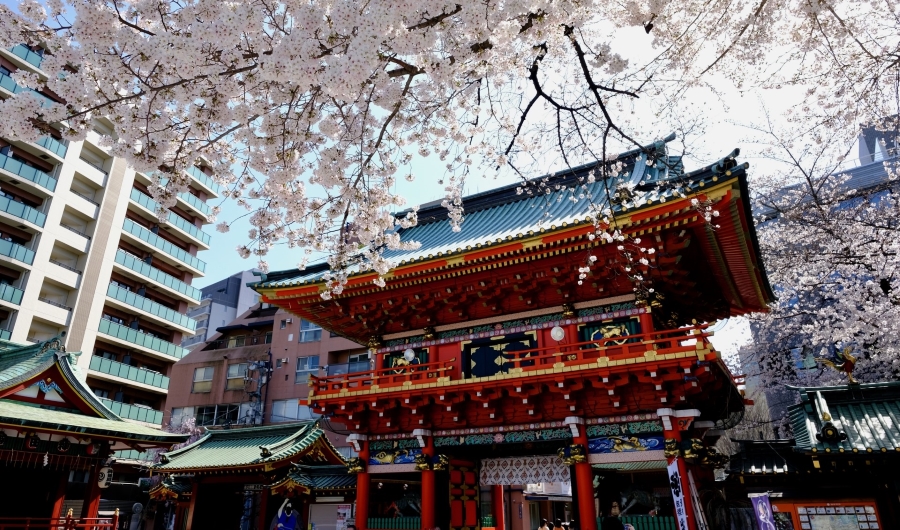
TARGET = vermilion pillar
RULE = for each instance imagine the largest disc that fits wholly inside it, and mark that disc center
(674, 422)
(362, 488)
(584, 478)
(499, 509)
(262, 521)
(189, 515)
(91, 505)
(428, 496)
(60, 496)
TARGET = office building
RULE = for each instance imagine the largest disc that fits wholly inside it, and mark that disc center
(221, 303)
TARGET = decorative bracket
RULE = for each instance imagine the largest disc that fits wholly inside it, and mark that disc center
(355, 439)
(573, 422)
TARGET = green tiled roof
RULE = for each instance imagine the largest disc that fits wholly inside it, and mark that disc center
(322, 477)
(243, 448)
(20, 362)
(868, 414)
(18, 413)
(502, 215)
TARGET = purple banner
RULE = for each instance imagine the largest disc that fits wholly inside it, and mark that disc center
(763, 511)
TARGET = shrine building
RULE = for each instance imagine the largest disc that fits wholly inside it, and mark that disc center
(493, 366)
(57, 439)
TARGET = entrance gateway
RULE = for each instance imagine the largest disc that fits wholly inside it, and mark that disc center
(493, 363)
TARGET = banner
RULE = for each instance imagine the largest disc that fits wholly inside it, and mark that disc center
(763, 510)
(677, 493)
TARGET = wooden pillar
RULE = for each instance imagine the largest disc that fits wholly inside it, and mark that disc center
(91, 505)
(584, 479)
(60, 496)
(428, 486)
(262, 522)
(189, 516)
(674, 422)
(646, 320)
(498, 507)
(362, 488)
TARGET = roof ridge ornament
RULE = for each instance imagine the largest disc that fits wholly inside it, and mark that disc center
(846, 364)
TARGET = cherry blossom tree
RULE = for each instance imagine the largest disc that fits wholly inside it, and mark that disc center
(830, 239)
(309, 111)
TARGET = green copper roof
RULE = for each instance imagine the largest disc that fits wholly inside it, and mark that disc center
(249, 447)
(18, 413)
(20, 362)
(322, 477)
(502, 215)
(867, 414)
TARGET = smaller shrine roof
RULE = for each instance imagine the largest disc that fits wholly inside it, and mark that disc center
(765, 457)
(251, 448)
(866, 418)
(170, 488)
(316, 479)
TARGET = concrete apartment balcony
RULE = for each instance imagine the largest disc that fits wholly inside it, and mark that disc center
(5, 334)
(95, 174)
(134, 412)
(74, 238)
(64, 274)
(129, 375)
(117, 296)
(18, 212)
(184, 229)
(10, 296)
(53, 311)
(16, 255)
(191, 202)
(162, 249)
(204, 182)
(57, 148)
(134, 267)
(14, 171)
(82, 204)
(143, 342)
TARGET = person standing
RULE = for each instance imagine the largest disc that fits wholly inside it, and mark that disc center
(286, 517)
(544, 525)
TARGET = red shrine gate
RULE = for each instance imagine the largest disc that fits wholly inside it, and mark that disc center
(485, 344)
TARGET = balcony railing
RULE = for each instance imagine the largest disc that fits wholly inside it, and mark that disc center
(76, 231)
(30, 56)
(22, 211)
(85, 197)
(195, 172)
(9, 84)
(139, 338)
(63, 265)
(139, 266)
(239, 342)
(154, 240)
(149, 306)
(576, 355)
(173, 219)
(134, 412)
(10, 294)
(16, 252)
(5, 334)
(54, 303)
(195, 202)
(27, 172)
(132, 373)
(95, 166)
(348, 368)
(54, 146)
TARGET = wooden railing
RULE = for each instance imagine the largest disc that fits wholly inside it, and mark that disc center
(61, 523)
(574, 354)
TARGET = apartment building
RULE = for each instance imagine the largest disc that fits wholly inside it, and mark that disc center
(222, 302)
(255, 370)
(82, 251)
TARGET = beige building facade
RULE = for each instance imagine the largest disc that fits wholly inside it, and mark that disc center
(82, 250)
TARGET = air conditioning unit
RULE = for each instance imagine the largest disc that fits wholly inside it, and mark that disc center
(290, 321)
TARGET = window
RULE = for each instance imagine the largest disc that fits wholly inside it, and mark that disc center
(291, 410)
(236, 373)
(283, 324)
(217, 415)
(107, 355)
(305, 366)
(99, 392)
(180, 415)
(309, 332)
(202, 381)
(236, 342)
(111, 318)
(268, 337)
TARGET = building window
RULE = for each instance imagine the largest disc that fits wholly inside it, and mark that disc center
(217, 415)
(107, 355)
(236, 374)
(236, 342)
(309, 332)
(305, 366)
(99, 392)
(283, 324)
(290, 410)
(202, 380)
(180, 415)
(268, 337)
